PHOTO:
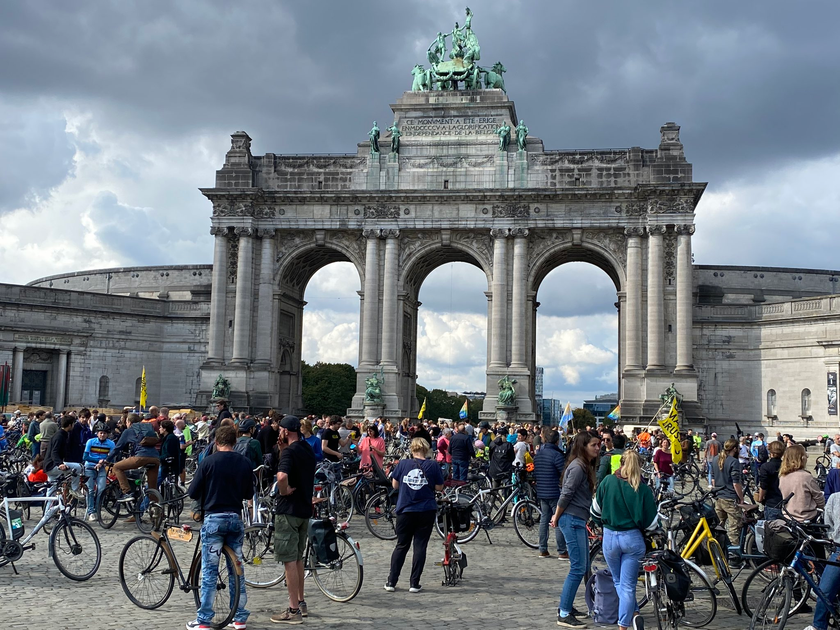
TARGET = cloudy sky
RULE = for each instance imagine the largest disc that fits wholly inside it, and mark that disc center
(112, 114)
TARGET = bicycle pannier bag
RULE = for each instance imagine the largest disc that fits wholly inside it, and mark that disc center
(601, 598)
(16, 519)
(324, 540)
(460, 517)
(779, 542)
(690, 517)
(675, 574)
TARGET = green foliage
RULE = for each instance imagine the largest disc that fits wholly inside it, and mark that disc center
(328, 388)
(583, 418)
(439, 404)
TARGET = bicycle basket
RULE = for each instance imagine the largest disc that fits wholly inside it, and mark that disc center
(780, 543)
(690, 517)
(676, 576)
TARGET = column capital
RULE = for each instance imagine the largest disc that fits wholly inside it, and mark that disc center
(391, 234)
(656, 230)
(218, 230)
(631, 231)
(372, 233)
(519, 232)
(247, 232)
(685, 229)
(62, 351)
(266, 232)
(499, 232)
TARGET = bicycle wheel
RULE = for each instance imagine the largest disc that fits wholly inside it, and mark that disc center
(340, 580)
(173, 501)
(341, 502)
(526, 522)
(476, 517)
(754, 558)
(772, 611)
(226, 598)
(148, 512)
(75, 549)
(146, 575)
(757, 581)
(107, 508)
(685, 483)
(659, 608)
(716, 552)
(701, 602)
(597, 561)
(380, 516)
(261, 570)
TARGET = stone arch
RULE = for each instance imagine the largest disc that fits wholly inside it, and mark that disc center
(607, 257)
(295, 268)
(421, 260)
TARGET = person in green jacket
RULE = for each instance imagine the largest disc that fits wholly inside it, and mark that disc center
(611, 459)
(625, 507)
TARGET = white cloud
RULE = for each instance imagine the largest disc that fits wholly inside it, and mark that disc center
(330, 336)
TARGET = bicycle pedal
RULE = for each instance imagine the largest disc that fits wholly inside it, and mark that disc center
(439, 563)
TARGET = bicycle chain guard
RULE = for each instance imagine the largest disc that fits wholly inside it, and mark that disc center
(12, 550)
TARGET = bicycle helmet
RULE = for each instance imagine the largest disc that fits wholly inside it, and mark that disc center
(99, 426)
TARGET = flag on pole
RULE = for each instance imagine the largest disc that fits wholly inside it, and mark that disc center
(670, 426)
(615, 414)
(567, 416)
(143, 393)
(422, 410)
(464, 411)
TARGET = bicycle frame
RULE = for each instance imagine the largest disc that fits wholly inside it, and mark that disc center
(701, 533)
(798, 566)
(46, 518)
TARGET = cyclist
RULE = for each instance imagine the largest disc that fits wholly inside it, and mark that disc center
(55, 462)
(711, 451)
(247, 445)
(768, 481)
(170, 449)
(222, 481)
(141, 438)
(462, 449)
(727, 475)
(807, 498)
(548, 470)
(96, 450)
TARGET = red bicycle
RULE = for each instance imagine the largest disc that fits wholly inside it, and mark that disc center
(454, 518)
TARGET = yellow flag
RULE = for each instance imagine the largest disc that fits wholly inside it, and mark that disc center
(670, 426)
(422, 410)
(143, 389)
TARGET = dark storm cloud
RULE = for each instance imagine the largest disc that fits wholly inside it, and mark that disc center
(752, 82)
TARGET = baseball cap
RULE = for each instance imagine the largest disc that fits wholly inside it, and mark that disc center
(291, 423)
(247, 425)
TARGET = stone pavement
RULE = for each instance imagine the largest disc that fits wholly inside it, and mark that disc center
(505, 586)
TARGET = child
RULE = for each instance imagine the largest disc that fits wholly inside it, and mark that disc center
(35, 471)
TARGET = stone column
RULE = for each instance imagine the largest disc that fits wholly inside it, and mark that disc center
(216, 336)
(685, 363)
(634, 298)
(519, 332)
(655, 304)
(265, 300)
(17, 375)
(389, 298)
(498, 328)
(61, 380)
(370, 317)
(244, 296)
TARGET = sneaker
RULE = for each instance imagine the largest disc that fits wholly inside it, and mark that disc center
(91, 517)
(390, 588)
(130, 519)
(124, 497)
(570, 622)
(304, 612)
(415, 589)
(544, 554)
(638, 623)
(199, 625)
(237, 625)
(287, 616)
(563, 556)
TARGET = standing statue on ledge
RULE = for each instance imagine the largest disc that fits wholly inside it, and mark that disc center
(395, 137)
(521, 135)
(437, 51)
(374, 138)
(373, 389)
(504, 136)
(221, 389)
(458, 42)
(507, 394)
(473, 52)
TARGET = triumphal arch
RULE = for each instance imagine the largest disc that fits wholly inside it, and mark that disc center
(457, 176)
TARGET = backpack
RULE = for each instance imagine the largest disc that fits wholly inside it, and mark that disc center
(602, 598)
(675, 574)
(503, 453)
(763, 455)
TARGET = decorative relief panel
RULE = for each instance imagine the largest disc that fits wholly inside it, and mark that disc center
(577, 159)
(382, 211)
(656, 206)
(233, 257)
(511, 210)
(350, 242)
(319, 163)
(412, 241)
(288, 242)
(613, 241)
(480, 243)
(458, 161)
(669, 251)
(243, 209)
(540, 241)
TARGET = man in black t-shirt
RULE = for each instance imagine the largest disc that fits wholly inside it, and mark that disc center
(295, 478)
(331, 440)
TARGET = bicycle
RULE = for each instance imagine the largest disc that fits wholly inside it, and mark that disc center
(143, 505)
(668, 612)
(339, 579)
(172, 495)
(148, 567)
(454, 560)
(69, 539)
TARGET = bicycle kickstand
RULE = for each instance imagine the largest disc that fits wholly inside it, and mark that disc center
(487, 533)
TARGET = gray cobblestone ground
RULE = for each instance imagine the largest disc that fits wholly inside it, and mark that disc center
(505, 586)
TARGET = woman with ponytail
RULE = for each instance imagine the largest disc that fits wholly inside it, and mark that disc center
(626, 508)
(727, 475)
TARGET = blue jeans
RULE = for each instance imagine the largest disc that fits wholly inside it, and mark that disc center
(547, 508)
(218, 530)
(771, 514)
(830, 586)
(623, 552)
(55, 473)
(669, 482)
(460, 469)
(709, 470)
(98, 479)
(577, 543)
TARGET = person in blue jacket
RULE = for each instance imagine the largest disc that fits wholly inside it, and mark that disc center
(96, 450)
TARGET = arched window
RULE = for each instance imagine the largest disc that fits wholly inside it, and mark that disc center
(104, 387)
(806, 402)
(771, 402)
(137, 390)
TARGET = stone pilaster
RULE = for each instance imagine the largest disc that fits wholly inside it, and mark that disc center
(61, 380)
(244, 296)
(655, 300)
(265, 299)
(498, 345)
(370, 316)
(389, 298)
(216, 332)
(17, 375)
(685, 362)
(634, 298)
(519, 332)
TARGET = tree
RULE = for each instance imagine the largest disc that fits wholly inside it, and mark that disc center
(328, 388)
(583, 418)
(440, 404)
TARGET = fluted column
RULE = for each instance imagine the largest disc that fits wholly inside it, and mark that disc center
(389, 298)
(244, 296)
(519, 332)
(685, 361)
(61, 380)
(498, 346)
(655, 304)
(216, 335)
(265, 300)
(17, 375)
(370, 318)
(634, 297)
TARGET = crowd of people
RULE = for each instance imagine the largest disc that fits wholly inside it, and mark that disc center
(589, 473)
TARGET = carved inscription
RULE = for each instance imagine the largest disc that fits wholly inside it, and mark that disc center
(451, 126)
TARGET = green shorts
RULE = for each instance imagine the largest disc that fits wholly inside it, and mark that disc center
(290, 534)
